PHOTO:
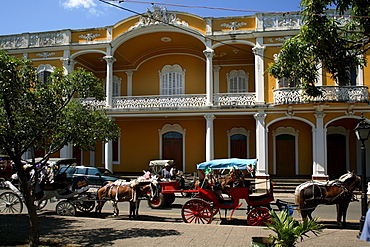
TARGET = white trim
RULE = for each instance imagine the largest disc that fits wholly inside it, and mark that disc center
(288, 131)
(237, 131)
(116, 162)
(175, 128)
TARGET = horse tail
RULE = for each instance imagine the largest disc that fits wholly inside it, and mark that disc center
(299, 200)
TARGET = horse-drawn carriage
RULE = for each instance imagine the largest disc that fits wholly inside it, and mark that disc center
(167, 188)
(71, 194)
(215, 193)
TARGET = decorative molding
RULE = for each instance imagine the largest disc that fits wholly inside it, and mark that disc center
(285, 130)
(45, 54)
(290, 112)
(233, 25)
(171, 127)
(209, 117)
(238, 131)
(172, 68)
(89, 36)
(271, 40)
(45, 67)
(158, 16)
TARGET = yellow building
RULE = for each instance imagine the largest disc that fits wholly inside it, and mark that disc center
(191, 89)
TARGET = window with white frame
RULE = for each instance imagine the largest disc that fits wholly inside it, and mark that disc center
(287, 82)
(43, 72)
(172, 80)
(237, 81)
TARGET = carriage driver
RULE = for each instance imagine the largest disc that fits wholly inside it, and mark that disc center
(165, 173)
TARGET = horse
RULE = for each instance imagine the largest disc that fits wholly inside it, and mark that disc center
(340, 192)
(120, 193)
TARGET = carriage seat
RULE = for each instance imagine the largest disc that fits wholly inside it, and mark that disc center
(210, 195)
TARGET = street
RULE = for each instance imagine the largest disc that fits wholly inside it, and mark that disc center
(326, 213)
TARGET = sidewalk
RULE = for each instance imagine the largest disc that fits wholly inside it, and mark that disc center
(151, 231)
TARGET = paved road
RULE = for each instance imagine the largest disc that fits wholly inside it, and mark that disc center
(163, 227)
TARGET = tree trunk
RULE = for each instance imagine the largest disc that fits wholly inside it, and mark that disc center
(34, 236)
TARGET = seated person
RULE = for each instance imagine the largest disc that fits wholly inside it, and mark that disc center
(165, 172)
(178, 176)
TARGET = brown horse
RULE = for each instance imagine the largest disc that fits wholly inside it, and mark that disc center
(121, 193)
(340, 192)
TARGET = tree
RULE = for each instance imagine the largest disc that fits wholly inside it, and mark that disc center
(47, 116)
(336, 41)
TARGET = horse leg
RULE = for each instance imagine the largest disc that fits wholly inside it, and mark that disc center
(132, 209)
(342, 214)
(137, 208)
(98, 208)
(115, 208)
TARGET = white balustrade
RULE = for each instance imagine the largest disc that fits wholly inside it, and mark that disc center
(347, 94)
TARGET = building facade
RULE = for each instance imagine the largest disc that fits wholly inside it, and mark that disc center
(192, 89)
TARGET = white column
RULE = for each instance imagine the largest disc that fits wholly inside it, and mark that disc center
(209, 87)
(108, 155)
(216, 78)
(129, 82)
(259, 70)
(209, 137)
(319, 147)
(92, 158)
(261, 145)
(66, 151)
(109, 81)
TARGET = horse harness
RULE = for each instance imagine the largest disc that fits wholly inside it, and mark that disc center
(331, 199)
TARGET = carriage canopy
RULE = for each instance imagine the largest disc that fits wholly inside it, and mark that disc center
(228, 163)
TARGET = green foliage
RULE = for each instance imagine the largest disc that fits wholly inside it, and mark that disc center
(325, 41)
(288, 231)
(46, 116)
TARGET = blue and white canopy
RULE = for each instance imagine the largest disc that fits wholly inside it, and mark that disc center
(228, 163)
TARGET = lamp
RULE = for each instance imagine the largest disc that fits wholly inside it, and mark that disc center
(362, 132)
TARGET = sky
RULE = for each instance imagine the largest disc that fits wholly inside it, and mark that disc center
(22, 16)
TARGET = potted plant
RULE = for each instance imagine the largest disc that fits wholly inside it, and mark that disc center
(287, 230)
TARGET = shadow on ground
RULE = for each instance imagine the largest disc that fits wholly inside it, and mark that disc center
(58, 231)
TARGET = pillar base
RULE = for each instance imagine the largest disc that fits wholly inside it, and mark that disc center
(262, 183)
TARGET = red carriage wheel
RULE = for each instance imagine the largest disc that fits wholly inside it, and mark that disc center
(157, 202)
(169, 198)
(258, 217)
(197, 211)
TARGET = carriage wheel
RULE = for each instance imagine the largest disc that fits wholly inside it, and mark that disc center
(197, 211)
(215, 210)
(10, 203)
(85, 206)
(157, 202)
(65, 208)
(169, 198)
(258, 217)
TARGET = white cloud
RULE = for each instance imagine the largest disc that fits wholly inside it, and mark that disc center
(89, 5)
(79, 3)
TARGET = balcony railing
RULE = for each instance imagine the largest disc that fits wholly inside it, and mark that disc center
(343, 94)
(174, 102)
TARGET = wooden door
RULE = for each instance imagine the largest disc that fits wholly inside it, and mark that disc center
(172, 147)
(285, 155)
(238, 146)
(336, 155)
